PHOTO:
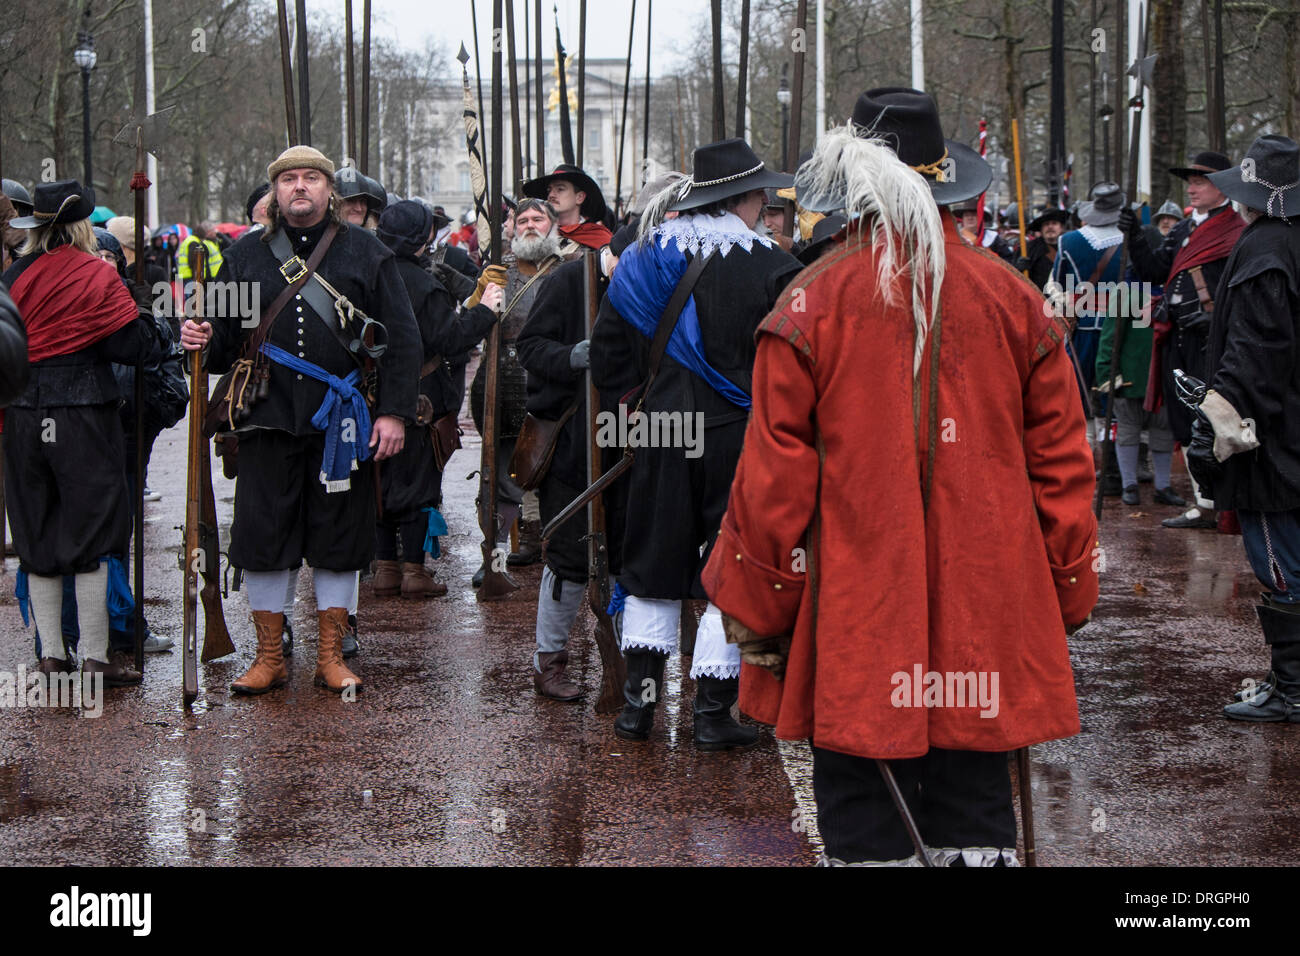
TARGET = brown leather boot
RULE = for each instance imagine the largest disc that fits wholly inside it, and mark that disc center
(388, 579)
(268, 670)
(331, 672)
(530, 545)
(551, 682)
(418, 582)
(115, 675)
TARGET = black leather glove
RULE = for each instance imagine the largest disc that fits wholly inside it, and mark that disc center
(1205, 468)
(1022, 264)
(1129, 222)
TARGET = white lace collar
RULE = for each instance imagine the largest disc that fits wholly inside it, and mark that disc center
(698, 233)
(1102, 237)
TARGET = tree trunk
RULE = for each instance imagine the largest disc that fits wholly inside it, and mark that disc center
(1169, 122)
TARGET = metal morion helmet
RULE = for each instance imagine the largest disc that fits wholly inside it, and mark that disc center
(18, 195)
(350, 183)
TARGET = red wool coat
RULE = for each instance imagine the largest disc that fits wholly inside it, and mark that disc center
(981, 584)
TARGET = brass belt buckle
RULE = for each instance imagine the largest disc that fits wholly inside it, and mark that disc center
(293, 265)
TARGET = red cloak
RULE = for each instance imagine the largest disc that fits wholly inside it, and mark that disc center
(982, 583)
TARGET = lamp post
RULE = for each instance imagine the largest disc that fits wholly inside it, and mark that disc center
(85, 58)
(783, 97)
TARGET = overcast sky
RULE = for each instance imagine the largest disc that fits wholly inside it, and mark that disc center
(411, 22)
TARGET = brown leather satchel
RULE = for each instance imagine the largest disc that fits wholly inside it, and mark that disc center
(445, 433)
(535, 447)
(249, 381)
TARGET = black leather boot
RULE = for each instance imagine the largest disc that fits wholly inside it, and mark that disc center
(351, 646)
(715, 729)
(1277, 701)
(641, 692)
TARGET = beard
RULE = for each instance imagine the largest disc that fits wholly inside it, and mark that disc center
(535, 249)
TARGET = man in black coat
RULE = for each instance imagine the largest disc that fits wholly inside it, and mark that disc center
(1188, 263)
(412, 480)
(697, 409)
(305, 493)
(1251, 462)
(1040, 253)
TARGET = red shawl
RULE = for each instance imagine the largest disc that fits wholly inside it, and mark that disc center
(70, 300)
(1210, 241)
(593, 235)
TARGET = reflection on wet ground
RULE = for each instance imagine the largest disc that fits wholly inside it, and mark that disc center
(449, 756)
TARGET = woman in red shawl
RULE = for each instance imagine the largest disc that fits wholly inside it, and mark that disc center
(65, 473)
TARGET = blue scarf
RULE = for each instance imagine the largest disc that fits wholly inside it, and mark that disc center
(342, 402)
(643, 282)
(437, 526)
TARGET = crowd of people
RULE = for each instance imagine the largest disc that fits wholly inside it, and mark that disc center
(823, 576)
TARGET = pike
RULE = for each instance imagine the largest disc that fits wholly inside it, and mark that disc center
(1140, 70)
(304, 82)
(350, 137)
(566, 125)
(286, 74)
(582, 76)
(796, 111)
(143, 133)
(613, 669)
(364, 164)
(537, 80)
(516, 146)
(719, 100)
(622, 124)
(497, 583)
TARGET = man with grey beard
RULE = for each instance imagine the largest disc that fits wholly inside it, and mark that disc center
(535, 250)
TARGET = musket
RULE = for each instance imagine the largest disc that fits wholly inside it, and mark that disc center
(192, 554)
(622, 123)
(1141, 72)
(497, 582)
(286, 72)
(613, 669)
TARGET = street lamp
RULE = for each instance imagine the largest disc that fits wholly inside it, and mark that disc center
(783, 97)
(85, 58)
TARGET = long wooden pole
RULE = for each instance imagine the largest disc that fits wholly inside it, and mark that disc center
(622, 125)
(304, 81)
(515, 142)
(1020, 186)
(796, 108)
(645, 117)
(364, 165)
(719, 100)
(286, 71)
(742, 80)
(582, 83)
(351, 80)
(541, 89)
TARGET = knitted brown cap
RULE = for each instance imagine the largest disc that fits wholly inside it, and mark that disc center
(300, 157)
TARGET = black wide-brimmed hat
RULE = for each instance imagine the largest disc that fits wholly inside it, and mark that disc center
(822, 234)
(592, 208)
(1049, 215)
(1206, 161)
(1268, 179)
(58, 202)
(726, 168)
(1103, 206)
(908, 121)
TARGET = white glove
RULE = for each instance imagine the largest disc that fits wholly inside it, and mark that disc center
(1232, 433)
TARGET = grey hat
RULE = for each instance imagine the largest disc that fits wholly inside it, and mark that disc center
(1102, 209)
(1268, 179)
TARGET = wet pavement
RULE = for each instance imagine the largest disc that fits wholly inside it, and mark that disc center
(449, 757)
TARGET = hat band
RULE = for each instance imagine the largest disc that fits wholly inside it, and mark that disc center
(1249, 175)
(935, 169)
(691, 183)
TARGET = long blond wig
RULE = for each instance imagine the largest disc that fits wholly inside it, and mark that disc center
(79, 234)
(891, 199)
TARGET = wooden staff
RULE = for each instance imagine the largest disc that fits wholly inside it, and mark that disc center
(796, 112)
(582, 81)
(351, 137)
(364, 164)
(622, 125)
(516, 147)
(286, 72)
